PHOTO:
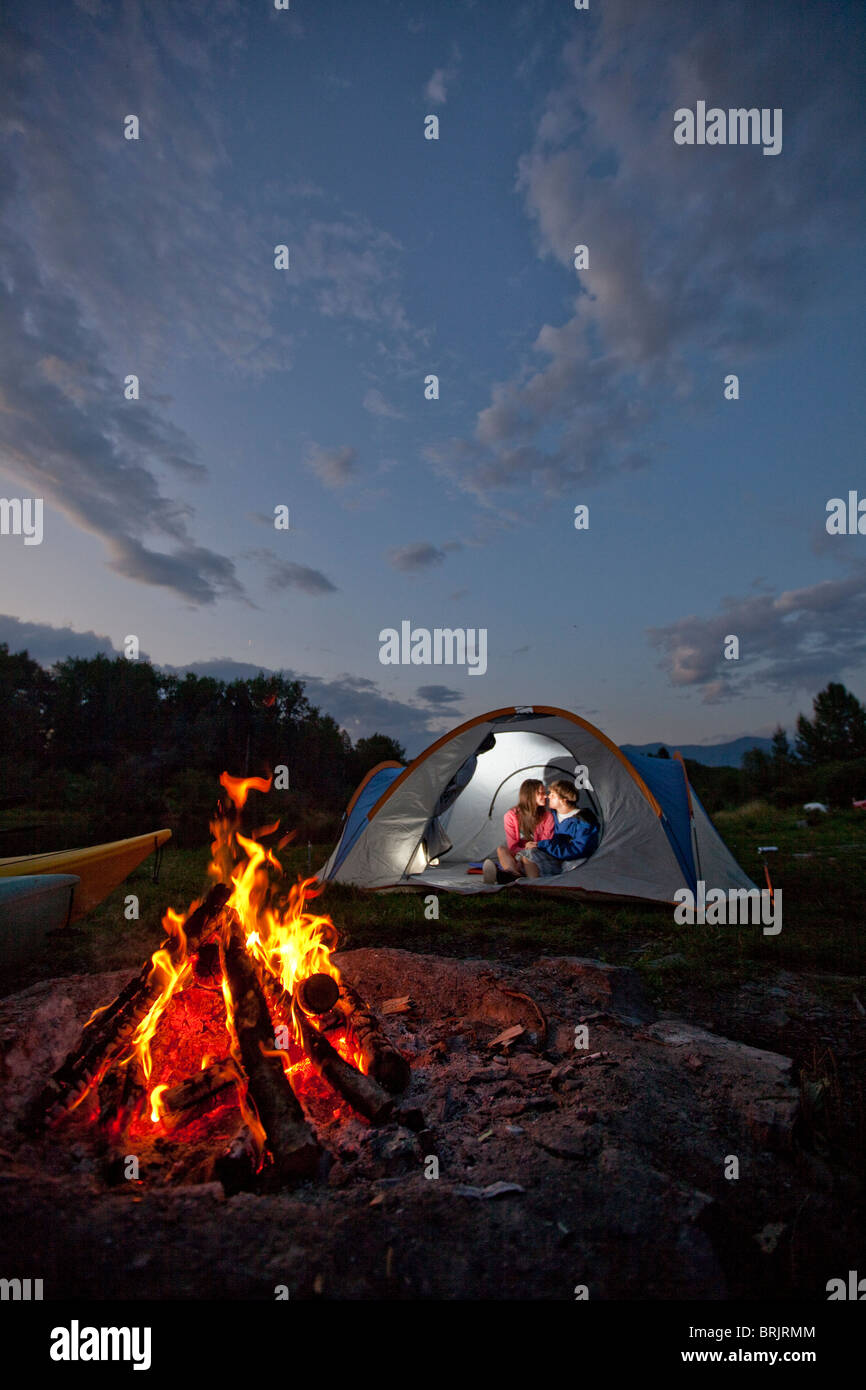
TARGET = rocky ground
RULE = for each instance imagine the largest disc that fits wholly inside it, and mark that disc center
(707, 1154)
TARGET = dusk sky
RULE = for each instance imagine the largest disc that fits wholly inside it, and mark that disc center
(304, 387)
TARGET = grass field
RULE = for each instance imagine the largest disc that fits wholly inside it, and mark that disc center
(819, 868)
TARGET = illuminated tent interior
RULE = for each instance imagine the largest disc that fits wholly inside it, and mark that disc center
(422, 825)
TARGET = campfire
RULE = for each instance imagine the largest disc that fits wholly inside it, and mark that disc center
(231, 1071)
(237, 1043)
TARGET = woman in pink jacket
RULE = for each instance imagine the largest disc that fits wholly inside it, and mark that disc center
(529, 820)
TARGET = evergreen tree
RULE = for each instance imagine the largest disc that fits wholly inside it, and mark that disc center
(837, 732)
(25, 719)
(780, 751)
(378, 748)
(757, 772)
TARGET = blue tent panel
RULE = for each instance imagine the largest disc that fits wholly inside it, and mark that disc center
(665, 778)
(357, 819)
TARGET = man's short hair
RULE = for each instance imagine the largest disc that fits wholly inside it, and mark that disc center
(566, 790)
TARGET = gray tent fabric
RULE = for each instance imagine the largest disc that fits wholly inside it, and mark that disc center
(713, 859)
(635, 857)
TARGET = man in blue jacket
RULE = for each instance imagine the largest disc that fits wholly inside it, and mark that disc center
(573, 841)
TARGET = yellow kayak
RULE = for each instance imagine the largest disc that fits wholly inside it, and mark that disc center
(99, 867)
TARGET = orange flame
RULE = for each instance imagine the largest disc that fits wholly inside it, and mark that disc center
(285, 937)
(173, 976)
(96, 1013)
(239, 788)
(156, 1106)
(281, 933)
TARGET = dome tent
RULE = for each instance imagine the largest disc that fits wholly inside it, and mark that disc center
(655, 835)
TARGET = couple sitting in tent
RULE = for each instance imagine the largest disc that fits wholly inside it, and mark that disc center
(546, 833)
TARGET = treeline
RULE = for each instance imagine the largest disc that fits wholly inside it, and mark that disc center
(124, 748)
(99, 748)
(826, 762)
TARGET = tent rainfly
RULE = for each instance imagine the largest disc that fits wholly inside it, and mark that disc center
(422, 825)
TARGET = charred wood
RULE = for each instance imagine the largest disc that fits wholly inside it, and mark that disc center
(382, 1059)
(363, 1093)
(236, 1168)
(199, 1087)
(293, 1146)
(317, 994)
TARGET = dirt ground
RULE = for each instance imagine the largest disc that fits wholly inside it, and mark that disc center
(706, 1153)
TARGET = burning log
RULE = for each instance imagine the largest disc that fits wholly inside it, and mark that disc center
(292, 1143)
(201, 922)
(317, 994)
(363, 1093)
(236, 1168)
(198, 1088)
(112, 1027)
(121, 1094)
(207, 962)
(382, 1059)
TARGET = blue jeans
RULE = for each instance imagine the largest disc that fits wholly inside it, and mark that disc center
(545, 862)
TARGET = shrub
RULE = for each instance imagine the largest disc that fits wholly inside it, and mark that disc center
(840, 783)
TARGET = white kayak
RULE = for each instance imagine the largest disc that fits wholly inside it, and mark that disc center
(30, 906)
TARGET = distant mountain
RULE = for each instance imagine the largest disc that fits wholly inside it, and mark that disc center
(710, 754)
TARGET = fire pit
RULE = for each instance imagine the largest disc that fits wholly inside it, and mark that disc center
(228, 1050)
(238, 1120)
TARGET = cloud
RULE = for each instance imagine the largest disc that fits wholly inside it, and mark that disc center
(697, 256)
(68, 435)
(69, 291)
(286, 574)
(796, 640)
(439, 695)
(376, 404)
(47, 644)
(130, 257)
(355, 702)
(436, 91)
(333, 467)
(193, 572)
(418, 556)
(350, 268)
(223, 668)
(363, 710)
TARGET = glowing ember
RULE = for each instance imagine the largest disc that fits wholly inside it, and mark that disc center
(287, 939)
(173, 978)
(234, 962)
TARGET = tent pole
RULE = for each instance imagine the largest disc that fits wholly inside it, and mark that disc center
(696, 854)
